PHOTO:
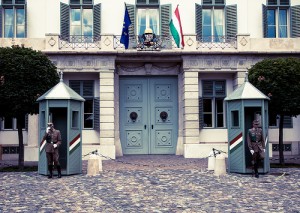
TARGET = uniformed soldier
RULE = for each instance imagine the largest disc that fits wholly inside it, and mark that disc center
(53, 141)
(256, 144)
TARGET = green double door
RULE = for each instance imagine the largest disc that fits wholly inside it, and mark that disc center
(148, 115)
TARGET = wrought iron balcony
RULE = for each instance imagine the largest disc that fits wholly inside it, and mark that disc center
(79, 41)
(215, 42)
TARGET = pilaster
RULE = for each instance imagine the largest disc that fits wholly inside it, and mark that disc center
(190, 107)
(107, 116)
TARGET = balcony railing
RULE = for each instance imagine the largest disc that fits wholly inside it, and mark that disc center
(79, 41)
(215, 42)
(110, 42)
(161, 42)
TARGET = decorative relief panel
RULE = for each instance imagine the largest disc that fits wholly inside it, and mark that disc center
(84, 62)
(134, 138)
(163, 138)
(163, 92)
(219, 62)
(134, 93)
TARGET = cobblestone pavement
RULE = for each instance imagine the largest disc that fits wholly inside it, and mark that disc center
(152, 184)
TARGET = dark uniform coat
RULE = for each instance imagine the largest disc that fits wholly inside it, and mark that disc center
(256, 140)
(53, 137)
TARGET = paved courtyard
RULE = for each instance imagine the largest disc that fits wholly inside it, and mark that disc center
(151, 184)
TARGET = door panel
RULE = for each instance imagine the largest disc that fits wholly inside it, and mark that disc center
(133, 99)
(163, 108)
(148, 115)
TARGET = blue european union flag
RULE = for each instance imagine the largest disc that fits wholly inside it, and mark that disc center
(125, 31)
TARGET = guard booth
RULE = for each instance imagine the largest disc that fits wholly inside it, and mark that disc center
(244, 105)
(64, 108)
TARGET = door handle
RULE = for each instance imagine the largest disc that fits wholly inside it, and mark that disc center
(145, 126)
(152, 126)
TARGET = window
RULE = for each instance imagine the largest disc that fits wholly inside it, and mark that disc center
(9, 123)
(75, 119)
(280, 20)
(147, 18)
(235, 120)
(213, 24)
(277, 15)
(213, 94)
(209, 2)
(274, 121)
(14, 19)
(149, 14)
(85, 88)
(80, 21)
(216, 22)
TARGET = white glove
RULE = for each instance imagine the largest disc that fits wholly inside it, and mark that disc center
(54, 145)
(252, 152)
(264, 150)
(48, 130)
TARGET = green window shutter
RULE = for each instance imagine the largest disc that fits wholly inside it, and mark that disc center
(287, 122)
(97, 22)
(201, 119)
(75, 85)
(0, 21)
(131, 12)
(25, 11)
(198, 21)
(231, 21)
(207, 88)
(220, 88)
(165, 17)
(265, 21)
(295, 21)
(26, 122)
(64, 21)
(88, 88)
(97, 114)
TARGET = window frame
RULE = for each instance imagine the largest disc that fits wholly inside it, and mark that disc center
(213, 95)
(87, 98)
(147, 7)
(212, 37)
(277, 25)
(13, 126)
(15, 7)
(277, 8)
(276, 119)
(81, 37)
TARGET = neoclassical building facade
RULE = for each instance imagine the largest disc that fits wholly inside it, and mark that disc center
(162, 100)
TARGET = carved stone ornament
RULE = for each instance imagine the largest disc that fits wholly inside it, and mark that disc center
(51, 42)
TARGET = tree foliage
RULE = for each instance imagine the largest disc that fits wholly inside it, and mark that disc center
(279, 79)
(25, 74)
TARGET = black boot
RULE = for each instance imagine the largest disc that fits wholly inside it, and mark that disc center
(58, 171)
(50, 171)
(256, 171)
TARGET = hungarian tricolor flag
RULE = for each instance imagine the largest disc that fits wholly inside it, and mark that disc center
(176, 28)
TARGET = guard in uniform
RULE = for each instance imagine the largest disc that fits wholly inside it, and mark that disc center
(53, 139)
(256, 144)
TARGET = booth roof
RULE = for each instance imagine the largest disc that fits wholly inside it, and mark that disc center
(246, 91)
(62, 92)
